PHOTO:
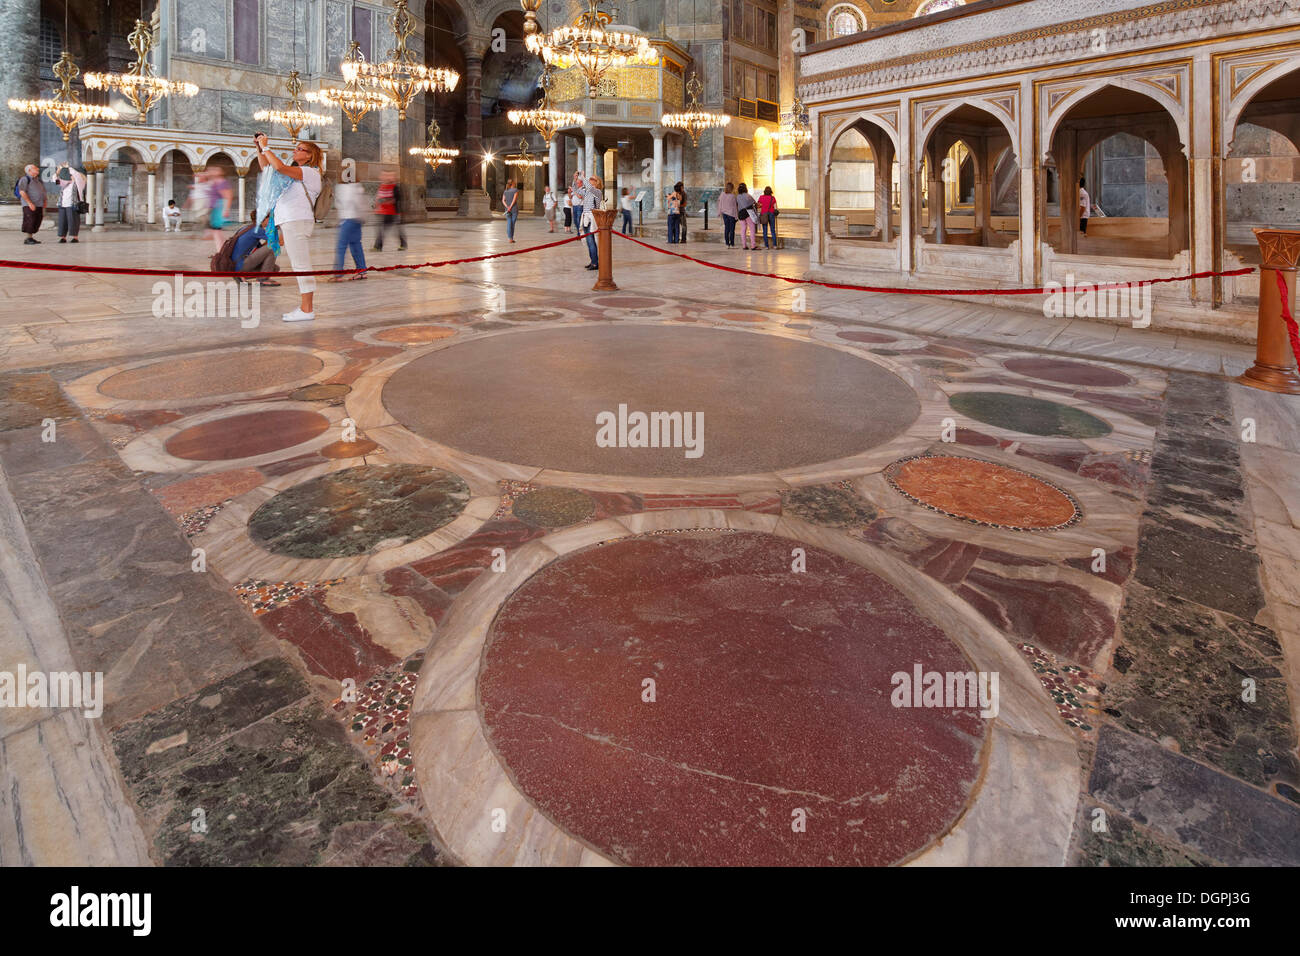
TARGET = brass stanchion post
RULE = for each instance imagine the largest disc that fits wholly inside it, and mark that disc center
(1275, 366)
(604, 220)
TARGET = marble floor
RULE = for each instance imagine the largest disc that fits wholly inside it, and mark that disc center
(483, 567)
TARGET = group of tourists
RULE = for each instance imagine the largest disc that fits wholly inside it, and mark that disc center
(31, 192)
(738, 205)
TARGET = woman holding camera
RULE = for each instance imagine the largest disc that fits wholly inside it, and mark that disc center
(294, 213)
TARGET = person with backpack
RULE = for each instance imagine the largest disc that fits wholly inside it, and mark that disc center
(247, 251)
(72, 196)
(293, 212)
(388, 203)
(31, 190)
(748, 211)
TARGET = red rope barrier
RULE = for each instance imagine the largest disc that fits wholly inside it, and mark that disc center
(944, 292)
(254, 276)
(1292, 331)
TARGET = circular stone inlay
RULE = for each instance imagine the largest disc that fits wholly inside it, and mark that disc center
(870, 337)
(349, 449)
(415, 334)
(1033, 416)
(319, 393)
(1068, 373)
(358, 510)
(533, 398)
(246, 436)
(772, 695)
(553, 507)
(627, 302)
(202, 376)
(983, 492)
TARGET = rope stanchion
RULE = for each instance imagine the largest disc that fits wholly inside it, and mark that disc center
(1292, 330)
(894, 290)
(254, 276)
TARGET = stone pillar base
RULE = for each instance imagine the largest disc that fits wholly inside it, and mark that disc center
(475, 204)
(1274, 369)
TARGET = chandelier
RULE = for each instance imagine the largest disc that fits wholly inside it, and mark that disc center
(796, 130)
(139, 84)
(294, 118)
(695, 120)
(402, 77)
(65, 110)
(543, 117)
(434, 154)
(524, 159)
(591, 46)
(354, 98)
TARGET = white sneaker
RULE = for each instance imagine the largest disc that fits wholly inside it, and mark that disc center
(298, 315)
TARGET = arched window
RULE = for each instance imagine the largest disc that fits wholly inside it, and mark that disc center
(845, 19)
(934, 6)
(51, 44)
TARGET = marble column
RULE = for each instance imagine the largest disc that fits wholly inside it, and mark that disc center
(91, 193)
(554, 171)
(938, 199)
(882, 150)
(984, 192)
(589, 153)
(101, 200)
(242, 172)
(20, 133)
(474, 202)
(582, 157)
(658, 171)
(152, 169)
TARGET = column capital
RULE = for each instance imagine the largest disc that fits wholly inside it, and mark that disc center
(658, 132)
(474, 45)
(151, 168)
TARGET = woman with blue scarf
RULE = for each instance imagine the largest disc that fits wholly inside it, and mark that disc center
(286, 200)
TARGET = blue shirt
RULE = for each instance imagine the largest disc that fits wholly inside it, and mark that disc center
(246, 244)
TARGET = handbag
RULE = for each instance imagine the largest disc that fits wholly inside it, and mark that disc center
(83, 206)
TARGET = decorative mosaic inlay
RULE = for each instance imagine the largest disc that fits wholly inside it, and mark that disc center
(415, 334)
(196, 521)
(262, 596)
(1033, 416)
(871, 338)
(553, 507)
(533, 315)
(381, 717)
(1076, 692)
(358, 511)
(835, 506)
(983, 493)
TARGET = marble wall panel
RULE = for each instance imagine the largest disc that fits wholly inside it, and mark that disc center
(201, 28)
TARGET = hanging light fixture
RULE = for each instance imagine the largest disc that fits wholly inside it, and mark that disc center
(294, 117)
(66, 109)
(696, 119)
(796, 130)
(434, 153)
(138, 84)
(524, 159)
(402, 77)
(592, 46)
(355, 98)
(544, 118)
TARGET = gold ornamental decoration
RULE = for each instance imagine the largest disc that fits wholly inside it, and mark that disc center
(138, 84)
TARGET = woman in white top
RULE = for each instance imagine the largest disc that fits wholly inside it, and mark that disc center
(74, 188)
(295, 216)
(568, 210)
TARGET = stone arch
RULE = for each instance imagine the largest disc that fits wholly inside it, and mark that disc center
(862, 117)
(1246, 95)
(1152, 91)
(978, 102)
